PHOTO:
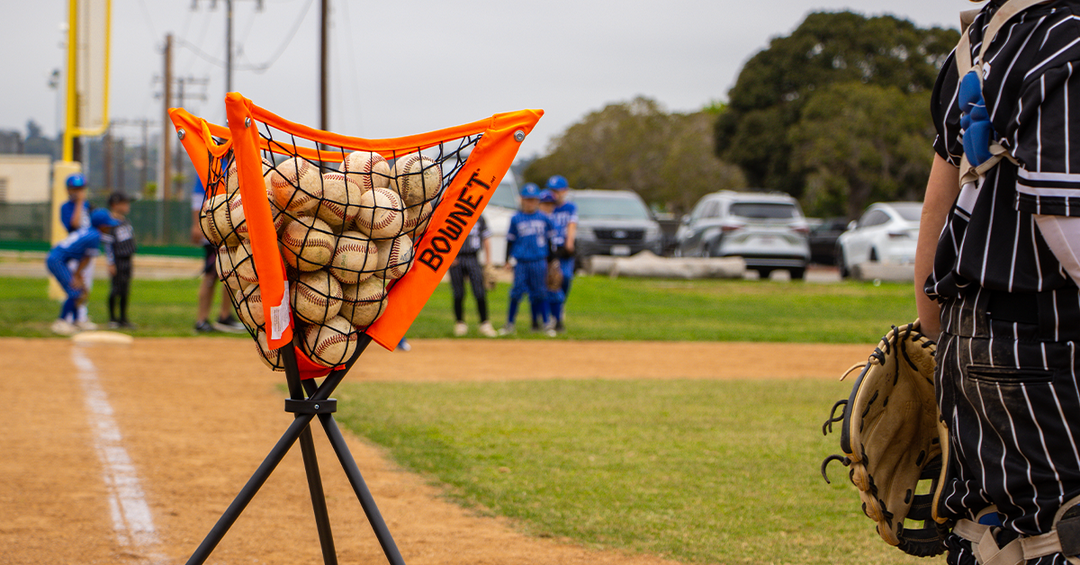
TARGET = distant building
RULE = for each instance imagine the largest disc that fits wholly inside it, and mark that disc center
(24, 179)
(10, 142)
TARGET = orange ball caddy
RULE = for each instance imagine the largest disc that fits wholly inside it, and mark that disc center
(263, 174)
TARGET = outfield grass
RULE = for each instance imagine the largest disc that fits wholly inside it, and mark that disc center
(599, 308)
(699, 471)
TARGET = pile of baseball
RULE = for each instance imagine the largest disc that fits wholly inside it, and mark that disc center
(345, 235)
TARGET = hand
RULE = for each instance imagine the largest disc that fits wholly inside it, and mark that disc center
(76, 281)
(196, 234)
(112, 270)
(570, 247)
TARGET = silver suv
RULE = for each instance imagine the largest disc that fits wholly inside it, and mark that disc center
(768, 230)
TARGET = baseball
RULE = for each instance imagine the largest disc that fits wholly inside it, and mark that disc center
(395, 257)
(226, 270)
(381, 214)
(332, 343)
(249, 307)
(214, 213)
(244, 264)
(270, 357)
(363, 303)
(232, 179)
(307, 243)
(416, 178)
(416, 217)
(297, 185)
(371, 168)
(316, 296)
(355, 258)
(340, 201)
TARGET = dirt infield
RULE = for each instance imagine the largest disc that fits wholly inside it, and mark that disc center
(129, 454)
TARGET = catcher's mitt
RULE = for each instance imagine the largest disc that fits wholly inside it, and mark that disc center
(554, 275)
(491, 277)
(892, 437)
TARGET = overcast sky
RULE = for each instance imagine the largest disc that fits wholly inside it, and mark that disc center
(400, 68)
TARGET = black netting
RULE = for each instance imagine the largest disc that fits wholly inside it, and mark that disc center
(346, 222)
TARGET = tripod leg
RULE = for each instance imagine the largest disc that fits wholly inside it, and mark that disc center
(248, 492)
(318, 499)
(357, 480)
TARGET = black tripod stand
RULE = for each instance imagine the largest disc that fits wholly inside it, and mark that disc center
(307, 401)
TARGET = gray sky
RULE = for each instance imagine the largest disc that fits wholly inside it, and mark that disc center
(399, 68)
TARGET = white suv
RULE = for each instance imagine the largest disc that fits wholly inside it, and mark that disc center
(768, 230)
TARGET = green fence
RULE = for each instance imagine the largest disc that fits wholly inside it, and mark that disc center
(162, 226)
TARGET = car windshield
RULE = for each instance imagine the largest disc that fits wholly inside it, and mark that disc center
(597, 206)
(764, 210)
(909, 212)
(504, 194)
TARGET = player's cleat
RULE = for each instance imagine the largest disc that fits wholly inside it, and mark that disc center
(124, 324)
(559, 327)
(403, 345)
(63, 327)
(508, 329)
(113, 324)
(204, 327)
(230, 325)
(86, 326)
(460, 329)
(550, 332)
(536, 327)
(487, 331)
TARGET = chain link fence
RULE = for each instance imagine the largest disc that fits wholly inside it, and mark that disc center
(156, 223)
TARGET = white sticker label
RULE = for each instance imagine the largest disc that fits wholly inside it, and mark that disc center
(279, 315)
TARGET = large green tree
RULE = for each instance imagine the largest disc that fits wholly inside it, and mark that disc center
(668, 159)
(827, 48)
(856, 143)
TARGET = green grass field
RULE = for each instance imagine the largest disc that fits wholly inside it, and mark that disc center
(599, 308)
(699, 471)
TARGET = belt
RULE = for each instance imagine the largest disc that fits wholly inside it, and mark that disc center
(1021, 307)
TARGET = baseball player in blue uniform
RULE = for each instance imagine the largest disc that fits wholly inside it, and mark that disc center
(528, 242)
(566, 219)
(80, 247)
(75, 215)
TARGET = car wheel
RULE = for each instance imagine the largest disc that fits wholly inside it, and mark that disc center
(763, 273)
(873, 255)
(798, 274)
(841, 264)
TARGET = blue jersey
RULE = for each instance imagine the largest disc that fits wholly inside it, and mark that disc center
(78, 244)
(67, 209)
(529, 236)
(563, 215)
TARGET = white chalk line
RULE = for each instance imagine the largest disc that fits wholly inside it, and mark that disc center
(131, 516)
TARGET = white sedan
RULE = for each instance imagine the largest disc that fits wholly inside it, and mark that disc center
(886, 233)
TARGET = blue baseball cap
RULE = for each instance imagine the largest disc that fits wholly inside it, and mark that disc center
(530, 190)
(547, 196)
(76, 180)
(101, 217)
(557, 182)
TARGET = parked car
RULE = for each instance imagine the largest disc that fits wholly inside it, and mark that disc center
(504, 203)
(887, 232)
(613, 222)
(768, 230)
(823, 238)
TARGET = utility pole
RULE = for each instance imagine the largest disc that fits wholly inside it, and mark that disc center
(167, 132)
(228, 36)
(324, 73)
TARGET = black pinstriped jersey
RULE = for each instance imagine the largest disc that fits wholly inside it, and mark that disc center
(120, 244)
(1032, 91)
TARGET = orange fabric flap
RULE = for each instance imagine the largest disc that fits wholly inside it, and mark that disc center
(460, 208)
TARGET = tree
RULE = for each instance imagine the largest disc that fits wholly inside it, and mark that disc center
(857, 143)
(668, 159)
(842, 47)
